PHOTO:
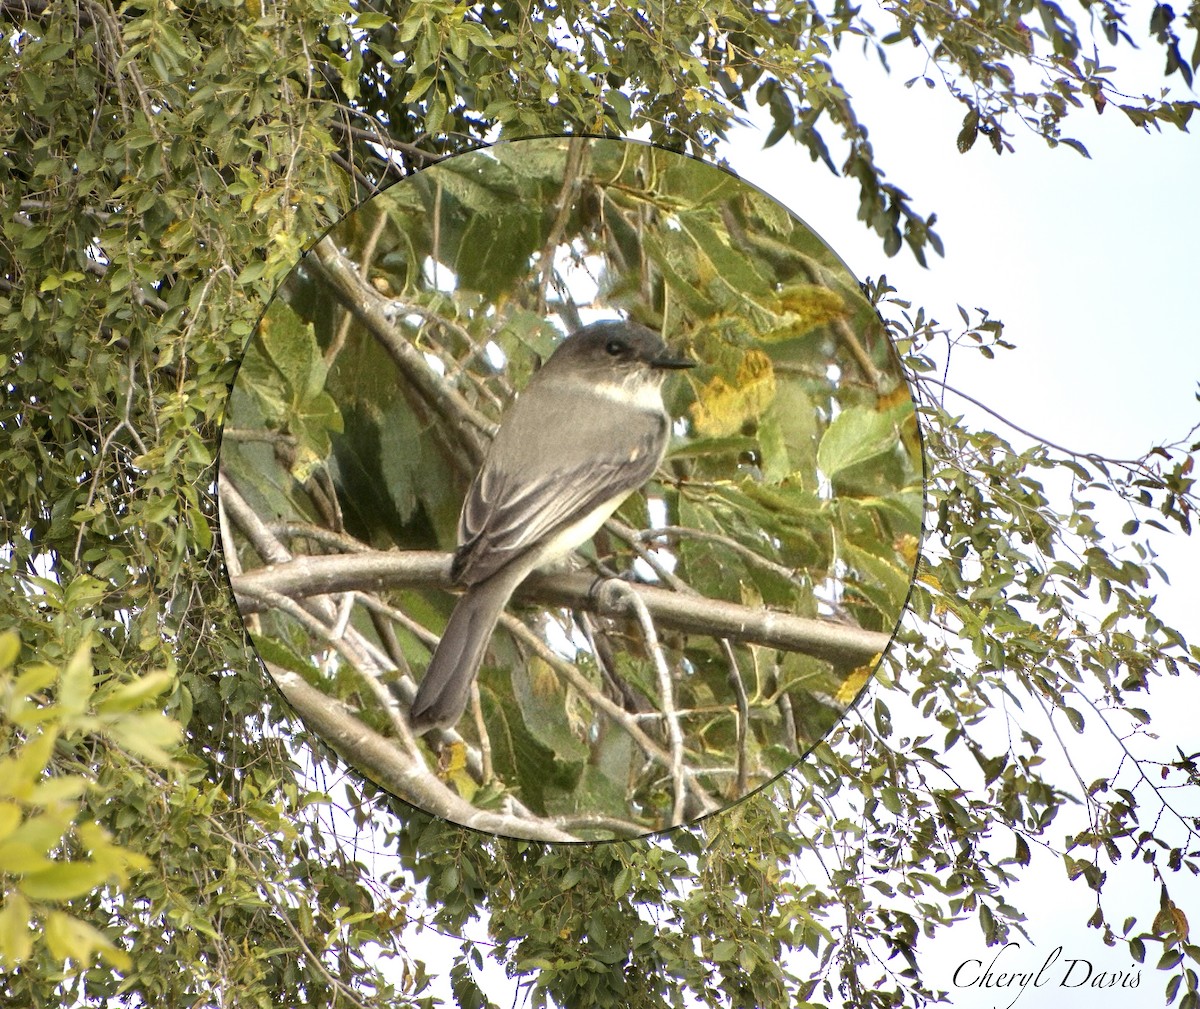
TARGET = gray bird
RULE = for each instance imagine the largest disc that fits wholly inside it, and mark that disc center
(588, 430)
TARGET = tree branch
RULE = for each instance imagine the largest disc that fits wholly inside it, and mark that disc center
(378, 315)
(385, 763)
(374, 571)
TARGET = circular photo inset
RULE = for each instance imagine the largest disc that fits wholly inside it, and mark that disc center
(571, 489)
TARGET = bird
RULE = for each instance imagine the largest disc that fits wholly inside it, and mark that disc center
(589, 429)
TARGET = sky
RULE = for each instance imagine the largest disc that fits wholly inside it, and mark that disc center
(1091, 265)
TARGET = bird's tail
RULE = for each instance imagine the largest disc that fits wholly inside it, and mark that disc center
(442, 696)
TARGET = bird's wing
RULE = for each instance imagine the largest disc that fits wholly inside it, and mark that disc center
(510, 509)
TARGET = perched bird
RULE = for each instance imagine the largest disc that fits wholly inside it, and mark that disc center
(588, 430)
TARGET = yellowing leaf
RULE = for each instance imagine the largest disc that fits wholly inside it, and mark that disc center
(16, 937)
(130, 695)
(457, 759)
(1170, 919)
(1180, 921)
(542, 677)
(70, 938)
(34, 678)
(19, 773)
(45, 830)
(722, 409)
(64, 880)
(854, 682)
(76, 688)
(10, 817)
(10, 648)
(17, 857)
(113, 858)
(898, 396)
(454, 770)
(931, 580)
(908, 547)
(147, 735)
(117, 860)
(804, 307)
(57, 789)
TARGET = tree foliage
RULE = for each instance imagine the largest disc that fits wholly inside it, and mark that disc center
(162, 167)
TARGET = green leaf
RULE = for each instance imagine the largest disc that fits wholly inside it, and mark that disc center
(891, 800)
(1137, 950)
(1170, 959)
(1076, 146)
(724, 951)
(370, 21)
(621, 108)
(856, 435)
(417, 91)
(64, 881)
(133, 694)
(622, 882)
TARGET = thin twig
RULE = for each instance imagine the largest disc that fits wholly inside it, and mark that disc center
(784, 702)
(1133, 464)
(562, 207)
(618, 714)
(666, 690)
(318, 534)
(743, 714)
(485, 741)
(380, 137)
(414, 627)
(739, 548)
(377, 314)
(355, 658)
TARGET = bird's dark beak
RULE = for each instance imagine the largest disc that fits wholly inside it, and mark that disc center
(671, 363)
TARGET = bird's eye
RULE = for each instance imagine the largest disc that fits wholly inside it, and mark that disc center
(615, 347)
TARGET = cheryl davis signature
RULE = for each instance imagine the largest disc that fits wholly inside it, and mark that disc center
(1057, 971)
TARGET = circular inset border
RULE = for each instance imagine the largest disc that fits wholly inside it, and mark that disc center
(715, 629)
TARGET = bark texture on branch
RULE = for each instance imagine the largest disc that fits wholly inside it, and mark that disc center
(372, 572)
